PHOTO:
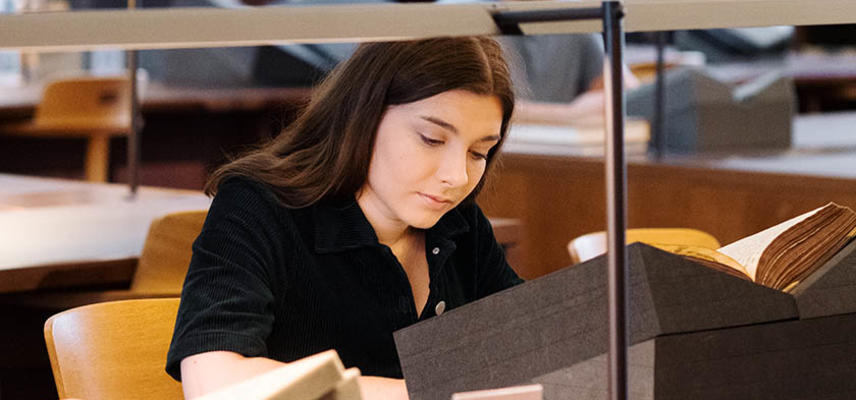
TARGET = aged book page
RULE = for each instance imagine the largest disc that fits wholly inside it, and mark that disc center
(708, 257)
(747, 251)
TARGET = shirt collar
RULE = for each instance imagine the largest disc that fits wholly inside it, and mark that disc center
(341, 225)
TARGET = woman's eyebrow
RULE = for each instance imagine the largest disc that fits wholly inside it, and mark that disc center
(447, 126)
(439, 122)
(490, 138)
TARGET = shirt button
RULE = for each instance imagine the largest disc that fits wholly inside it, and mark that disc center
(441, 306)
(435, 251)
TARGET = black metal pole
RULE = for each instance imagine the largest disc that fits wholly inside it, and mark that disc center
(133, 153)
(612, 13)
(616, 189)
(659, 123)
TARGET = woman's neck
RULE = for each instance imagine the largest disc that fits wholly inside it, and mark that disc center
(395, 238)
(389, 231)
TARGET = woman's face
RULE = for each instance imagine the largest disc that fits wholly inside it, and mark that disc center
(428, 156)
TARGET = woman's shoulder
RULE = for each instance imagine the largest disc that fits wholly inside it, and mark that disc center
(249, 211)
(244, 196)
(247, 192)
(238, 186)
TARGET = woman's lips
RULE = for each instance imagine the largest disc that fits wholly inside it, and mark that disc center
(435, 201)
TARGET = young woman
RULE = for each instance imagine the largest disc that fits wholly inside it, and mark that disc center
(356, 221)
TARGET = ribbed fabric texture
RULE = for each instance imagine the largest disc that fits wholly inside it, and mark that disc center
(284, 283)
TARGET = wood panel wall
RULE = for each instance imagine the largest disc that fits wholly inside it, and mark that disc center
(559, 198)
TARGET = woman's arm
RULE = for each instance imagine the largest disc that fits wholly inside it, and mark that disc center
(584, 110)
(375, 387)
(207, 372)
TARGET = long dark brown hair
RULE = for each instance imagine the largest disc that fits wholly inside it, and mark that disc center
(325, 152)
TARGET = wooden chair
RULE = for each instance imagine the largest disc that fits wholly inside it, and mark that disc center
(94, 108)
(166, 253)
(113, 350)
(591, 245)
(160, 270)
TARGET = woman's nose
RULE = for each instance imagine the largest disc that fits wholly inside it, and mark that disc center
(453, 169)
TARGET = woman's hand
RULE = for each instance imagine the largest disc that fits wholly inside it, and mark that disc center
(207, 372)
(377, 388)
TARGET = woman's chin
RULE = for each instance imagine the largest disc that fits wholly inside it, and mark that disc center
(425, 221)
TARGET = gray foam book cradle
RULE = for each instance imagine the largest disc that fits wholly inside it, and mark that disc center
(694, 333)
(705, 114)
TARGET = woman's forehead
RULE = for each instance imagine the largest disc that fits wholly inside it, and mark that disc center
(457, 111)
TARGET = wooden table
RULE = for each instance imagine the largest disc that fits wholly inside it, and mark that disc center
(558, 192)
(508, 232)
(19, 102)
(187, 131)
(59, 233)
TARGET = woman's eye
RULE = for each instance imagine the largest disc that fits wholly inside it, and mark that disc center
(429, 141)
(478, 156)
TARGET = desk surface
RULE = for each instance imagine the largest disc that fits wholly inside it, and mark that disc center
(60, 233)
(57, 232)
(558, 193)
(21, 100)
(823, 145)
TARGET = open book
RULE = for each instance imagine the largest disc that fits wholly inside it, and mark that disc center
(317, 377)
(784, 255)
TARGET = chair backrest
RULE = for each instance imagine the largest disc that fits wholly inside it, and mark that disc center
(166, 253)
(92, 103)
(113, 350)
(591, 245)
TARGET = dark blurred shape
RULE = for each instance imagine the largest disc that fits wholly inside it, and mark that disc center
(274, 67)
(298, 65)
(704, 114)
(828, 35)
(738, 44)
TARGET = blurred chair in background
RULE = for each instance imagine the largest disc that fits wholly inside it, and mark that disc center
(160, 271)
(95, 108)
(166, 254)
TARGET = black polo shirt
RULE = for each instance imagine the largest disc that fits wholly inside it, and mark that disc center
(270, 281)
